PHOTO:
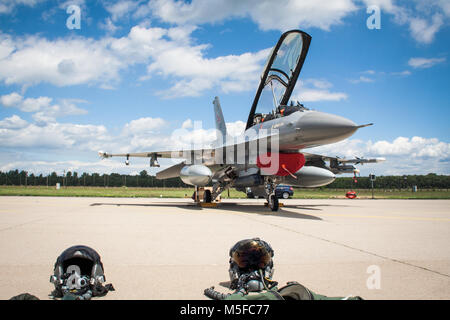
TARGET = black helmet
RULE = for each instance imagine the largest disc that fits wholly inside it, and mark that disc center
(251, 254)
(79, 271)
(250, 259)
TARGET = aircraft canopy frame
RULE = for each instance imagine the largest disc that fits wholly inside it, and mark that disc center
(282, 67)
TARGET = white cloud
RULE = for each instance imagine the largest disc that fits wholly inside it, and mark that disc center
(44, 110)
(195, 73)
(318, 83)
(7, 6)
(370, 76)
(444, 5)
(236, 128)
(415, 147)
(402, 73)
(143, 11)
(28, 105)
(269, 15)
(192, 135)
(412, 148)
(187, 124)
(309, 95)
(311, 90)
(53, 136)
(34, 104)
(13, 122)
(168, 53)
(144, 126)
(6, 46)
(416, 155)
(108, 25)
(424, 19)
(121, 9)
(348, 148)
(424, 62)
(362, 79)
(66, 107)
(424, 31)
(11, 100)
(64, 4)
(144, 134)
(61, 62)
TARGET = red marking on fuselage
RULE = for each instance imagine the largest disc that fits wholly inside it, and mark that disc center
(280, 164)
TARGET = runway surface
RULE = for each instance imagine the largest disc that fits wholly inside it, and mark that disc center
(172, 249)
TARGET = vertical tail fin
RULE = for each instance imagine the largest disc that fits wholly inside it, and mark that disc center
(220, 122)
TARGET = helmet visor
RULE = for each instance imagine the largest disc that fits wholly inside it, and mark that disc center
(251, 255)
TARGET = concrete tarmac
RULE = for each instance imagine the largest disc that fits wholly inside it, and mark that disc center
(172, 249)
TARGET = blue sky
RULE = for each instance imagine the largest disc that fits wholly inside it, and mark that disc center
(137, 71)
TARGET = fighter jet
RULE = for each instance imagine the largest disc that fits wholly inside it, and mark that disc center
(271, 150)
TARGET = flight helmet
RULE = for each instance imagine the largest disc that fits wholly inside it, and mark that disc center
(251, 265)
(79, 272)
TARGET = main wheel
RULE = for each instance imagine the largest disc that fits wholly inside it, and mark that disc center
(273, 202)
(285, 195)
(207, 196)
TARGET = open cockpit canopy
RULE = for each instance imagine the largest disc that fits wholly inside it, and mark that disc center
(279, 76)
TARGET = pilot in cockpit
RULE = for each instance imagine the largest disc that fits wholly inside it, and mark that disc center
(280, 111)
(283, 111)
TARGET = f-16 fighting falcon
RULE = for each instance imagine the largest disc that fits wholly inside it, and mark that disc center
(271, 149)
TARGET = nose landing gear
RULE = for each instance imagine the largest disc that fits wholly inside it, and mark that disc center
(273, 202)
(272, 199)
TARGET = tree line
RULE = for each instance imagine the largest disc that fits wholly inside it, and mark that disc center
(74, 179)
(143, 179)
(428, 181)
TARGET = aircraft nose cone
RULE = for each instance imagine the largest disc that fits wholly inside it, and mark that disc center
(323, 128)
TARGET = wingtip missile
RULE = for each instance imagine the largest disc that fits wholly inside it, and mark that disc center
(371, 160)
(361, 160)
(103, 155)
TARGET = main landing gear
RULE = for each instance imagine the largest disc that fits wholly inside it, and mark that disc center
(203, 196)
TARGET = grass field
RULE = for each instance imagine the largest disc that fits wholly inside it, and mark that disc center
(131, 192)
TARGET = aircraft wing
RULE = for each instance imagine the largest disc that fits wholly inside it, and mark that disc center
(158, 154)
(206, 155)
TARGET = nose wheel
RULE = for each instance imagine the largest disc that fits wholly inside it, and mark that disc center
(272, 199)
(273, 202)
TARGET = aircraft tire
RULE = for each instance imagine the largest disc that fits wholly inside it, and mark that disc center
(207, 198)
(273, 202)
